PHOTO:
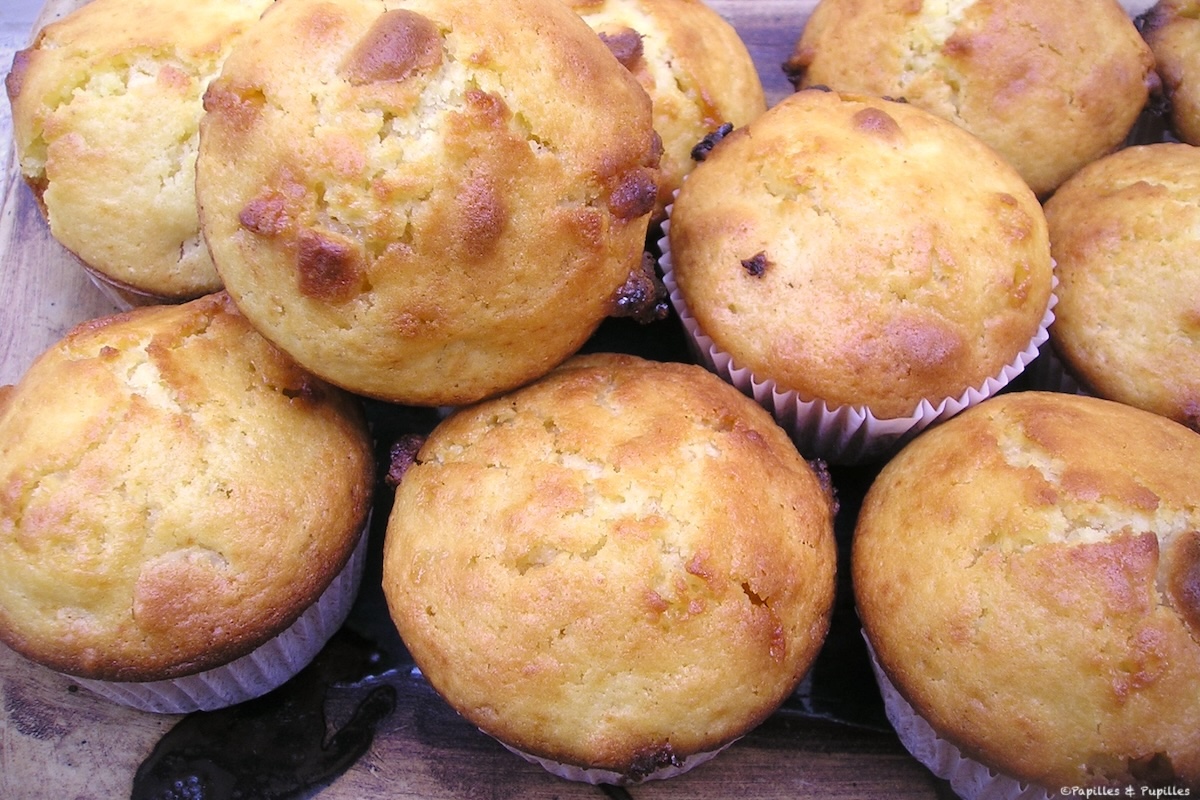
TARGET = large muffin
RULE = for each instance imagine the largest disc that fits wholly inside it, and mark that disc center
(1172, 29)
(176, 493)
(828, 248)
(426, 202)
(1125, 235)
(1028, 574)
(619, 568)
(1050, 85)
(691, 62)
(106, 107)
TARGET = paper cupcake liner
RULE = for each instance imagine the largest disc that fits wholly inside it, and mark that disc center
(838, 434)
(1135, 7)
(124, 297)
(1048, 373)
(970, 779)
(598, 777)
(265, 668)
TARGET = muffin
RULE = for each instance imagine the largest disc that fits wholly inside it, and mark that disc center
(1172, 30)
(1125, 235)
(106, 107)
(180, 508)
(1028, 574)
(426, 202)
(691, 62)
(862, 266)
(1051, 86)
(616, 570)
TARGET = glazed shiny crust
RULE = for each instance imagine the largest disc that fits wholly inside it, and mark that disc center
(1123, 236)
(827, 246)
(1172, 29)
(426, 202)
(106, 107)
(1029, 575)
(622, 564)
(175, 492)
(1050, 86)
(691, 62)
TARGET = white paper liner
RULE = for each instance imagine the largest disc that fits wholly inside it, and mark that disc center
(265, 668)
(597, 777)
(841, 434)
(1048, 373)
(1135, 7)
(970, 779)
(124, 297)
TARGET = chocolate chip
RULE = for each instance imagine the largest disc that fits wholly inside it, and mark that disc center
(402, 455)
(705, 146)
(757, 264)
(626, 45)
(635, 195)
(642, 297)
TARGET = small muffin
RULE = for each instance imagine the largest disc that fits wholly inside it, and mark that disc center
(106, 107)
(1172, 29)
(1028, 575)
(426, 202)
(859, 254)
(616, 571)
(179, 508)
(691, 62)
(1125, 235)
(1050, 85)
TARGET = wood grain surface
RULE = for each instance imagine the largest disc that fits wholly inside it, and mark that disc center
(58, 741)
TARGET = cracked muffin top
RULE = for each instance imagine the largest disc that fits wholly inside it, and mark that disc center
(428, 201)
(616, 567)
(691, 62)
(861, 252)
(106, 107)
(1050, 86)
(174, 491)
(1029, 575)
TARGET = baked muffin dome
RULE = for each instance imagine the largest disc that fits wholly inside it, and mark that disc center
(1028, 574)
(426, 202)
(1172, 29)
(176, 492)
(106, 107)
(691, 62)
(1050, 85)
(620, 567)
(827, 246)
(1125, 235)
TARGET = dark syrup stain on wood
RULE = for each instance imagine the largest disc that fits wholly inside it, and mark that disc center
(273, 747)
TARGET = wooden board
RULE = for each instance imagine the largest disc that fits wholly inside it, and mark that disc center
(58, 741)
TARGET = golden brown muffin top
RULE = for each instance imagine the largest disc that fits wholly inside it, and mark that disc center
(106, 106)
(427, 201)
(1029, 575)
(1050, 85)
(691, 62)
(828, 246)
(624, 563)
(174, 492)
(1124, 232)
(1172, 29)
